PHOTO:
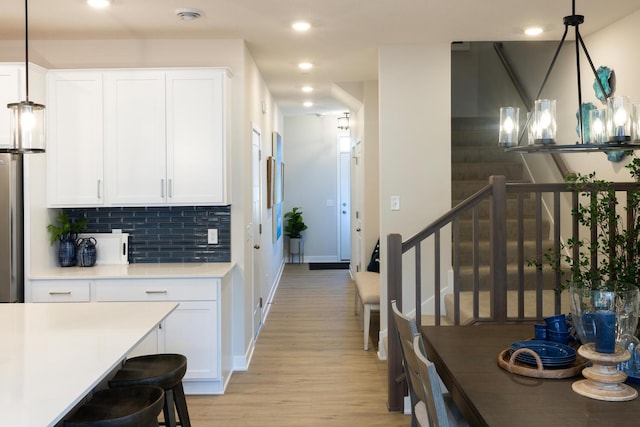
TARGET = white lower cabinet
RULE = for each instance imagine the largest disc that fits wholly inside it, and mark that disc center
(196, 328)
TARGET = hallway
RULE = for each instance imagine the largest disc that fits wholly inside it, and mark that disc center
(309, 368)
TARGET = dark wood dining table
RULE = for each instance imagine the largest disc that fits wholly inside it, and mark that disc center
(466, 357)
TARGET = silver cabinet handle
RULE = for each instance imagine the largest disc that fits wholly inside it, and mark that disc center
(59, 292)
(156, 292)
(99, 189)
(162, 188)
(170, 188)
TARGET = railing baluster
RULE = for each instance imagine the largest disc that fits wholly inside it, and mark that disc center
(520, 255)
(539, 283)
(556, 247)
(436, 281)
(476, 264)
(498, 266)
(456, 267)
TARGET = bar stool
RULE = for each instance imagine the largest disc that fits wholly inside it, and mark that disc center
(123, 407)
(162, 370)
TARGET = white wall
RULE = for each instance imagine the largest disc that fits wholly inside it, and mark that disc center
(310, 155)
(415, 148)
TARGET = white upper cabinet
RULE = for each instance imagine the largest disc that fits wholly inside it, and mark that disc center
(135, 136)
(196, 168)
(75, 148)
(164, 134)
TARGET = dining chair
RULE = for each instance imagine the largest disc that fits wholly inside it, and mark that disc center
(407, 330)
(431, 406)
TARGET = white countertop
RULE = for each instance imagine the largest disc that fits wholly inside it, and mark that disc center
(144, 270)
(54, 354)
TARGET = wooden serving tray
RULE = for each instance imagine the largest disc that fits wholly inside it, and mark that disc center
(510, 364)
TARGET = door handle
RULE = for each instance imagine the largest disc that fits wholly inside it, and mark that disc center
(358, 229)
(256, 246)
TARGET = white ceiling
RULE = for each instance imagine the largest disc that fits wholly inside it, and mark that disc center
(342, 43)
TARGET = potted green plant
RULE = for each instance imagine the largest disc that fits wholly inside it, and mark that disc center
(65, 232)
(611, 282)
(294, 227)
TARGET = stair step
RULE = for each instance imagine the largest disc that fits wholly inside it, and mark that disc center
(530, 231)
(475, 123)
(482, 171)
(465, 280)
(466, 305)
(488, 153)
(528, 208)
(484, 251)
(462, 189)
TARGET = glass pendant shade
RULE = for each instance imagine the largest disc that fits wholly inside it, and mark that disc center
(635, 124)
(26, 124)
(509, 126)
(597, 127)
(545, 121)
(619, 119)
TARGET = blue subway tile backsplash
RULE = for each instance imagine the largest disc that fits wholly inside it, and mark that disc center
(165, 234)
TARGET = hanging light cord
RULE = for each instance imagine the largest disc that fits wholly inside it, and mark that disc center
(26, 47)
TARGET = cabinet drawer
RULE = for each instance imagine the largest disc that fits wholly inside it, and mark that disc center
(60, 291)
(157, 290)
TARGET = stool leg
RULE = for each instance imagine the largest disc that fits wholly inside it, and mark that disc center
(181, 405)
(367, 320)
(169, 413)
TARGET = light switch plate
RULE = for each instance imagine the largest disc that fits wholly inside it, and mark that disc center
(395, 203)
(212, 236)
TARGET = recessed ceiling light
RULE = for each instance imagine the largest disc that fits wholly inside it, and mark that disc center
(305, 65)
(99, 4)
(307, 89)
(301, 26)
(308, 104)
(188, 14)
(533, 31)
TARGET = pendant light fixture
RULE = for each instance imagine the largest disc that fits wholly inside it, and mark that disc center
(343, 121)
(540, 125)
(26, 117)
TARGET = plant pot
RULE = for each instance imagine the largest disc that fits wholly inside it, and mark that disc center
(294, 245)
(67, 251)
(585, 303)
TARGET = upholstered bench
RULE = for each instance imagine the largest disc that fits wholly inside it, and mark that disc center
(368, 293)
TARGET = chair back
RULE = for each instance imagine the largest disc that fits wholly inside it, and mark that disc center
(430, 381)
(407, 330)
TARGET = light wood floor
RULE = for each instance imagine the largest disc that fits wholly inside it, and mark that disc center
(309, 366)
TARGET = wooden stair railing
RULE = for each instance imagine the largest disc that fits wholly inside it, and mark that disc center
(552, 201)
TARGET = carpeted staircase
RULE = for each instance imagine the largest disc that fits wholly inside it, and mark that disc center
(475, 156)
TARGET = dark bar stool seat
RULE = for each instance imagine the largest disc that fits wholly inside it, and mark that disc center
(162, 370)
(120, 407)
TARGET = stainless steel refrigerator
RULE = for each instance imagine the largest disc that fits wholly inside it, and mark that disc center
(11, 229)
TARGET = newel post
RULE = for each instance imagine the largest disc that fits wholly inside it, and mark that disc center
(394, 292)
(498, 235)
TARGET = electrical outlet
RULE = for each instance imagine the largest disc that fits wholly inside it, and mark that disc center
(212, 236)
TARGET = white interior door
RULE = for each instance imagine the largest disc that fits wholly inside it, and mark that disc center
(356, 152)
(345, 206)
(256, 230)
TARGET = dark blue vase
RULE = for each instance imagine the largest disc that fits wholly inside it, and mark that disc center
(67, 251)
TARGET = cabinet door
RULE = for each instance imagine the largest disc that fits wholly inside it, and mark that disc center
(192, 330)
(135, 135)
(75, 156)
(149, 345)
(196, 137)
(9, 92)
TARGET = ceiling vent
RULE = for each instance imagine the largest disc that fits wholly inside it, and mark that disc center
(188, 14)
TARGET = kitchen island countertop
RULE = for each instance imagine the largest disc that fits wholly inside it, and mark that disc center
(55, 354)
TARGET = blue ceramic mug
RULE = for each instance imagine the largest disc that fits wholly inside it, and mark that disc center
(540, 332)
(557, 323)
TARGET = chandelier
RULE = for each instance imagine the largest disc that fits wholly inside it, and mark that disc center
(615, 129)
